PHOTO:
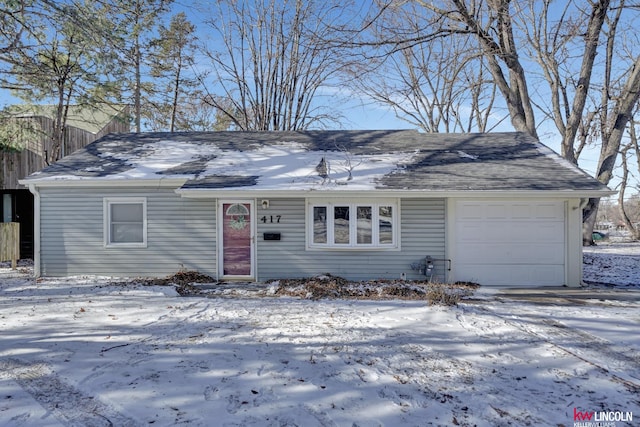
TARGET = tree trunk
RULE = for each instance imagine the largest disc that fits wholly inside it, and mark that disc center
(598, 15)
(634, 231)
(589, 216)
(138, 85)
(515, 89)
(611, 146)
(176, 94)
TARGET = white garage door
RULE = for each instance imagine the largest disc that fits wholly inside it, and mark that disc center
(510, 244)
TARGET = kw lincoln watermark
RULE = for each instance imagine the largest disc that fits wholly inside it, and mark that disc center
(600, 418)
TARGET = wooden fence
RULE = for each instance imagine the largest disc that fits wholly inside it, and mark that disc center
(10, 243)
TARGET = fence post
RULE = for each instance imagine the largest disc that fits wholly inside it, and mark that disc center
(10, 243)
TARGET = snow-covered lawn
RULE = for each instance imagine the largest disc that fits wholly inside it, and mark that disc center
(83, 351)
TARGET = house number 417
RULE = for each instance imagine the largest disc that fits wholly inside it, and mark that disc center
(270, 219)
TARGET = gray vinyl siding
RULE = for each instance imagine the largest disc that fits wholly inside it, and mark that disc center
(422, 233)
(181, 233)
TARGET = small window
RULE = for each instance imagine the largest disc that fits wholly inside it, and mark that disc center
(126, 222)
(358, 225)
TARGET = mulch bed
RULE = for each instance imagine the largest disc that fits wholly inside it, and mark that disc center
(327, 286)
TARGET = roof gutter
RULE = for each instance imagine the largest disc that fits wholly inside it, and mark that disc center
(102, 183)
(208, 193)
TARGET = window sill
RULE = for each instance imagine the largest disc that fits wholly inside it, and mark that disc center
(353, 249)
(125, 245)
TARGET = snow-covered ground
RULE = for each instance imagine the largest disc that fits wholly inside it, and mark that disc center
(84, 351)
(613, 262)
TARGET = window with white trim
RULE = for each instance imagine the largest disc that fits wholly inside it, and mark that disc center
(125, 221)
(355, 225)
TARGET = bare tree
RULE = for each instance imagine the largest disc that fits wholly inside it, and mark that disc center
(439, 86)
(631, 146)
(619, 98)
(576, 110)
(495, 24)
(491, 24)
(273, 63)
(564, 43)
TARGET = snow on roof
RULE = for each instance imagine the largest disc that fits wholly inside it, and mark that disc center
(282, 165)
(292, 166)
(325, 160)
(549, 153)
(464, 155)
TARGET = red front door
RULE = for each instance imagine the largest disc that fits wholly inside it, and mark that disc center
(236, 239)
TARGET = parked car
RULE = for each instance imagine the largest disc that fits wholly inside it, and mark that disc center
(598, 235)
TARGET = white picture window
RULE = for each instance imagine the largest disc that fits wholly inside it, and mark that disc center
(354, 225)
(125, 221)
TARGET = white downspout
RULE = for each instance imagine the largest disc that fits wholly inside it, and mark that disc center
(36, 230)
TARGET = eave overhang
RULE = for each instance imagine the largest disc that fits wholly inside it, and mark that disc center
(250, 193)
(104, 183)
(258, 192)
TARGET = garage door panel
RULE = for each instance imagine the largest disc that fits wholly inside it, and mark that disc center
(496, 211)
(549, 211)
(482, 254)
(520, 253)
(537, 254)
(550, 232)
(547, 232)
(470, 231)
(510, 243)
(521, 212)
(514, 276)
(470, 211)
(496, 229)
(511, 210)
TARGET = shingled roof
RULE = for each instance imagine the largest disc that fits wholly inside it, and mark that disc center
(353, 160)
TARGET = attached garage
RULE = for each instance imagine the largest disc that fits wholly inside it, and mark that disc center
(511, 243)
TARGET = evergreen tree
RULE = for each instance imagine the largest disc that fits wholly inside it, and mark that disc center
(172, 70)
(134, 24)
(58, 62)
